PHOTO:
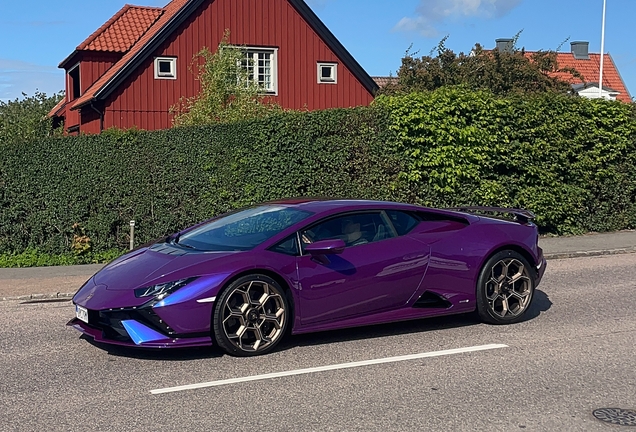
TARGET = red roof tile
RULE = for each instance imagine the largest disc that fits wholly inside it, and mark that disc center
(383, 81)
(57, 108)
(121, 32)
(169, 11)
(590, 70)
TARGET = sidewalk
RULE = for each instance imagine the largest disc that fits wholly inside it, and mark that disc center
(42, 283)
(588, 245)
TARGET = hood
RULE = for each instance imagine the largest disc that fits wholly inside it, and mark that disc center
(156, 264)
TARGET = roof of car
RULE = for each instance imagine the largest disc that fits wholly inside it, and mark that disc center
(325, 204)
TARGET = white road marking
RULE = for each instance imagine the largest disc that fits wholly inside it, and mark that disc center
(328, 368)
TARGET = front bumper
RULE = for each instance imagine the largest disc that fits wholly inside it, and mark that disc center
(101, 336)
(182, 319)
(138, 327)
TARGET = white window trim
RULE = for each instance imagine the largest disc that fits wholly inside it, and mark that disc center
(334, 68)
(274, 51)
(69, 93)
(173, 72)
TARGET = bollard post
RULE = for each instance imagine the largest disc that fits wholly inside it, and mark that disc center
(132, 234)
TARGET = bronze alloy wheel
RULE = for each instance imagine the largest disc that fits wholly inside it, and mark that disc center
(505, 288)
(251, 316)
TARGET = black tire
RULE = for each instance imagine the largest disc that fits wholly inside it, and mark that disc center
(505, 288)
(251, 316)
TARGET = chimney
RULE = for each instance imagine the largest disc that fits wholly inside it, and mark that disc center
(505, 45)
(580, 50)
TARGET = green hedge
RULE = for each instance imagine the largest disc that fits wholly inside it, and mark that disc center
(570, 160)
(170, 179)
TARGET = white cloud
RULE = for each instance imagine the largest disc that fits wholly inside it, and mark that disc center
(430, 13)
(418, 24)
(17, 77)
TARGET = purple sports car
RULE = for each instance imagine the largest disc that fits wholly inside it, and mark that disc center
(244, 279)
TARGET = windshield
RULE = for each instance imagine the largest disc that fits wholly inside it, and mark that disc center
(243, 230)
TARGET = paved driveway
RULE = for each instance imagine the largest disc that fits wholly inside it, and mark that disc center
(15, 282)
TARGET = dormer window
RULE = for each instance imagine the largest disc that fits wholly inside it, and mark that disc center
(74, 87)
(166, 68)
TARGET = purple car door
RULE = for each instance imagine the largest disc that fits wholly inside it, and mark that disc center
(377, 270)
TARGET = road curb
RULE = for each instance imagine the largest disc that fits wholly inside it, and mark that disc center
(553, 256)
(581, 254)
(43, 297)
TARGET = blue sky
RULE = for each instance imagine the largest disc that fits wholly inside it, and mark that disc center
(35, 35)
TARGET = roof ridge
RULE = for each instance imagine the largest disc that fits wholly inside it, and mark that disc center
(145, 7)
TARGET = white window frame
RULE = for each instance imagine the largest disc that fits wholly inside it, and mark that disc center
(172, 75)
(333, 79)
(253, 51)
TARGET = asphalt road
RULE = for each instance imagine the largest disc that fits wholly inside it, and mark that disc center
(575, 354)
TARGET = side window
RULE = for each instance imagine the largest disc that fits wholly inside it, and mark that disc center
(353, 229)
(402, 221)
(289, 246)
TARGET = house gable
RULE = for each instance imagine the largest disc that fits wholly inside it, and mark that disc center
(129, 93)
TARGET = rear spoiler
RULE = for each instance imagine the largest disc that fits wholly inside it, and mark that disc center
(519, 215)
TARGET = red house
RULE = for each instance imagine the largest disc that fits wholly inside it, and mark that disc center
(137, 65)
(589, 66)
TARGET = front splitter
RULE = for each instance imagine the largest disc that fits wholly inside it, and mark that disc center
(179, 342)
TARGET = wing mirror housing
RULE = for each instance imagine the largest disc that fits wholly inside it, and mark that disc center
(326, 247)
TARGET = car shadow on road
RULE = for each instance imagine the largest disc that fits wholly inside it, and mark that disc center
(380, 330)
(540, 303)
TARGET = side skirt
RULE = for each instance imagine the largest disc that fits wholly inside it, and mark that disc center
(404, 314)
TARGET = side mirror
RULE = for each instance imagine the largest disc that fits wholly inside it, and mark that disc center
(326, 247)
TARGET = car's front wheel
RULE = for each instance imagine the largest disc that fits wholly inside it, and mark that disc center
(250, 316)
(505, 288)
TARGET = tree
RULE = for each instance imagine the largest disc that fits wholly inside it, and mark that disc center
(502, 72)
(228, 92)
(26, 119)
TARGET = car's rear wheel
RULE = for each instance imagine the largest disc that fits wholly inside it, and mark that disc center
(505, 288)
(250, 316)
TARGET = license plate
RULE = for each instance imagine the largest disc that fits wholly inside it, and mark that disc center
(81, 313)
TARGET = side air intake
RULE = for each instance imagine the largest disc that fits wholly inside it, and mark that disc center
(431, 300)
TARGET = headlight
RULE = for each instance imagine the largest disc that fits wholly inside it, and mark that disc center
(162, 290)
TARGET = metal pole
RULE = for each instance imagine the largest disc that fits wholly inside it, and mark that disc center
(600, 78)
(132, 234)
